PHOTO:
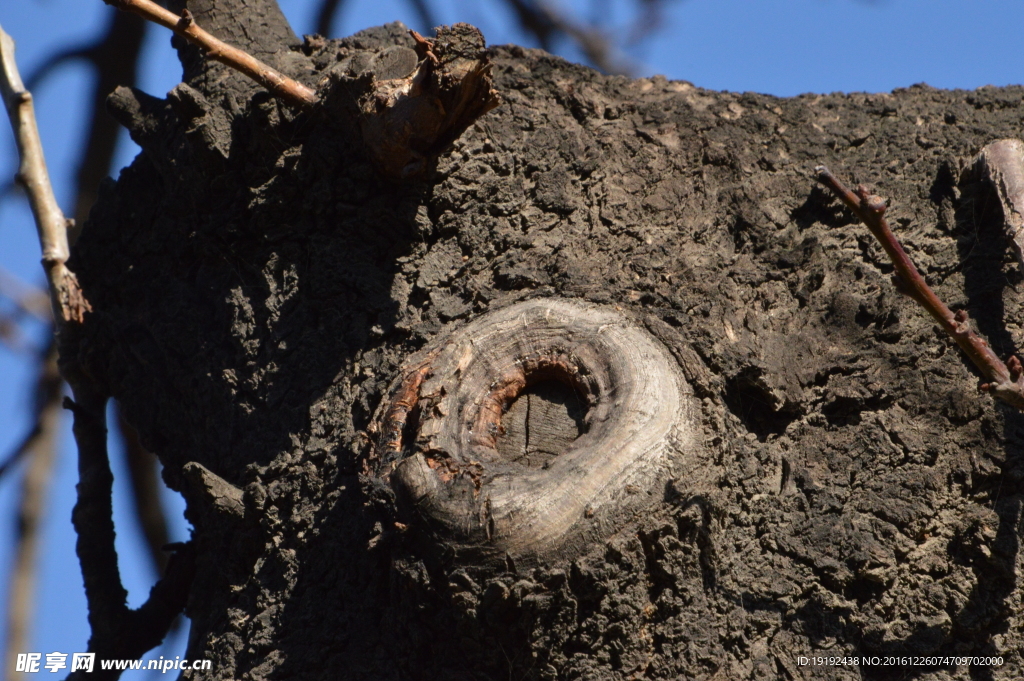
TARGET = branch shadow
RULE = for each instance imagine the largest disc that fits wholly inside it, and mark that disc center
(985, 613)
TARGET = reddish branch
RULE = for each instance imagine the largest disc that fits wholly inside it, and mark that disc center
(1006, 381)
(279, 84)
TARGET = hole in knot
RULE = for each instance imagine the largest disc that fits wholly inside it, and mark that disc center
(565, 382)
(541, 423)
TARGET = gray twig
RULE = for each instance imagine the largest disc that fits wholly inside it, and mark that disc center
(117, 632)
(68, 301)
(40, 447)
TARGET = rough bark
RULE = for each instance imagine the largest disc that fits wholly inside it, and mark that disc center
(258, 291)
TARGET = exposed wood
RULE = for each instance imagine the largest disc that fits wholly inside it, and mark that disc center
(411, 111)
(542, 423)
(638, 424)
(1002, 164)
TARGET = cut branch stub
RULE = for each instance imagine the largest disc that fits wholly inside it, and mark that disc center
(440, 433)
(413, 104)
(1002, 163)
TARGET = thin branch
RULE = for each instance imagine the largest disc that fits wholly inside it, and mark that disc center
(56, 60)
(42, 449)
(66, 295)
(325, 16)
(185, 26)
(93, 518)
(143, 472)
(117, 632)
(115, 61)
(1006, 381)
(27, 299)
(544, 21)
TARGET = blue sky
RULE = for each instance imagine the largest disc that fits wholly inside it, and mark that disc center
(781, 47)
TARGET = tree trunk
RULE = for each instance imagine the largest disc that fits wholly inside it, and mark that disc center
(816, 474)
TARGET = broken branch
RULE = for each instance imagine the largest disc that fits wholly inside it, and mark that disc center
(1002, 163)
(66, 295)
(1006, 381)
(279, 84)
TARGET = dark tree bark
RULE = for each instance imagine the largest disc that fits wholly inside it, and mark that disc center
(267, 310)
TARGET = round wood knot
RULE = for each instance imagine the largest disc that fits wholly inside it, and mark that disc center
(608, 416)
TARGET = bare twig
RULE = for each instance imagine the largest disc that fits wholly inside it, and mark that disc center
(544, 21)
(26, 298)
(1002, 163)
(279, 84)
(115, 62)
(41, 447)
(93, 515)
(65, 293)
(69, 305)
(1006, 381)
(114, 59)
(143, 472)
(325, 16)
(117, 631)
